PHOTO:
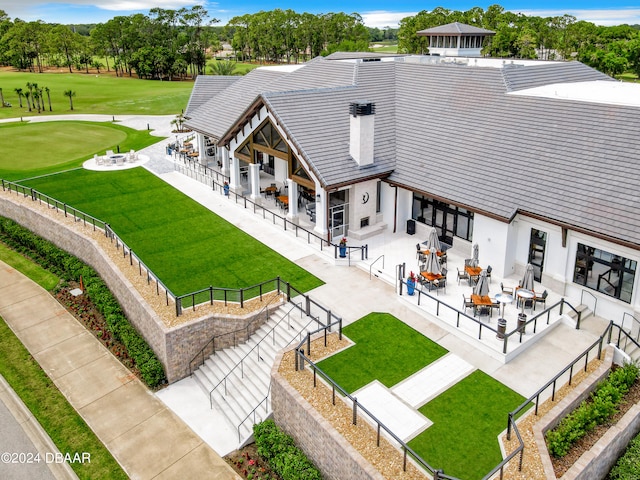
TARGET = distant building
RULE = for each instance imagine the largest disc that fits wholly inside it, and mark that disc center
(456, 40)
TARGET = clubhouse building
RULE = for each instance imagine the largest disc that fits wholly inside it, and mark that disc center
(535, 161)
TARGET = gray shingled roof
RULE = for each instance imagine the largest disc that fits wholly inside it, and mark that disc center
(455, 28)
(572, 162)
(206, 87)
(518, 77)
(215, 116)
(321, 128)
(455, 133)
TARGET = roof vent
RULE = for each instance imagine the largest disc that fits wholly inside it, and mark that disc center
(358, 109)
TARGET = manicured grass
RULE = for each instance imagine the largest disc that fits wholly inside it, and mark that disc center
(385, 349)
(34, 149)
(186, 245)
(467, 419)
(103, 94)
(42, 277)
(386, 49)
(65, 427)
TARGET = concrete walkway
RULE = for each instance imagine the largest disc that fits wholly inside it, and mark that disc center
(144, 436)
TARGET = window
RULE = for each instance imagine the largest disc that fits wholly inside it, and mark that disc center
(604, 272)
(448, 219)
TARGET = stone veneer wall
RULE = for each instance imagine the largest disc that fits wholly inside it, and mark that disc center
(175, 346)
(324, 446)
(595, 463)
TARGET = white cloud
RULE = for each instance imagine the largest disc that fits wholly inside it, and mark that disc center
(382, 18)
(605, 17)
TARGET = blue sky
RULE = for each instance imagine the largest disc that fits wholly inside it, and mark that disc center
(376, 13)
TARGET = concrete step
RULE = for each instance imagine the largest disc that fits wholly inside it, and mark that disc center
(245, 370)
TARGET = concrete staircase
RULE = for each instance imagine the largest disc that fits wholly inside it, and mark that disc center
(238, 380)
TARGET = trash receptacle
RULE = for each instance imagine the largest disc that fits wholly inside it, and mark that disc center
(522, 320)
(502, 328)
(411, 226)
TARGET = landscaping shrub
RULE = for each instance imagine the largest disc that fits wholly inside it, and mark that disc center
(279, 450)
(70, 268)
(601, 406)
(628, 465)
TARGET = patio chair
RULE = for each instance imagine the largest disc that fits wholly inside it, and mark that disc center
(489, 273)
(419, 254)
(507, 290)
(467, 262)
(462, 276)
(540, 299)
(440, 284)
(109, 153)
(466, 303)
(482, 311)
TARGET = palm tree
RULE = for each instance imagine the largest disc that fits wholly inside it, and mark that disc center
(20, 95)
(41, 98)
(36, 98)
(1, 98)
(30, 87)
(70, 94)
(27, 95)
(46, 89)
(223, 67)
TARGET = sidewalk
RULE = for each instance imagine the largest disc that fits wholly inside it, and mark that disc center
(144, 436)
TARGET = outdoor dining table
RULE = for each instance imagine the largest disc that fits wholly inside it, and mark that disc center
(428, 252)
(431, 277)
(283, 201)
(473, 272)
(481, 301)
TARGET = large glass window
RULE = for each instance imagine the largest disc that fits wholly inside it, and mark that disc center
(449, 220)
(605, 272)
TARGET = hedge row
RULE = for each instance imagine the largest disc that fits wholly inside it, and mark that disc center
(594, 411)
(628, 465)
(70, 268)
(278, 449)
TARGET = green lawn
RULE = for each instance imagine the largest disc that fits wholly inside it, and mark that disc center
(103, 94)
(385, 349)
(32, 149)
(185, 244)
(467, 417)
(42, 277)
(65, 427)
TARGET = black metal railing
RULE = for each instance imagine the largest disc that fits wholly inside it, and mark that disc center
(217, 181)
(301, 359)
(188, 300)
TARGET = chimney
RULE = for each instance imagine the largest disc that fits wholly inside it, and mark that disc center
(361, 136)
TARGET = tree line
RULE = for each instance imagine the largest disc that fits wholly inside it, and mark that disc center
(612, 50)
(166, 44)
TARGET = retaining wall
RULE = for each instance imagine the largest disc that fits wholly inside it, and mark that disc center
(599, 459)
(174, 346)
(324, 446)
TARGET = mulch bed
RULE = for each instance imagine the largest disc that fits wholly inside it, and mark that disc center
(561, 465)
(248, 464)
(86, 313)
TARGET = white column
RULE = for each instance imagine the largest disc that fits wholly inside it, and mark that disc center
(254, 180)
(234, 174)
(224, 152)
(202, 155)
(321, 211)
(293, 199)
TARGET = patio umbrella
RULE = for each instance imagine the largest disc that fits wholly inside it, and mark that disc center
(527, 280)
(475, 258)
(433, 243)
(432, 265)
(482, 287)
